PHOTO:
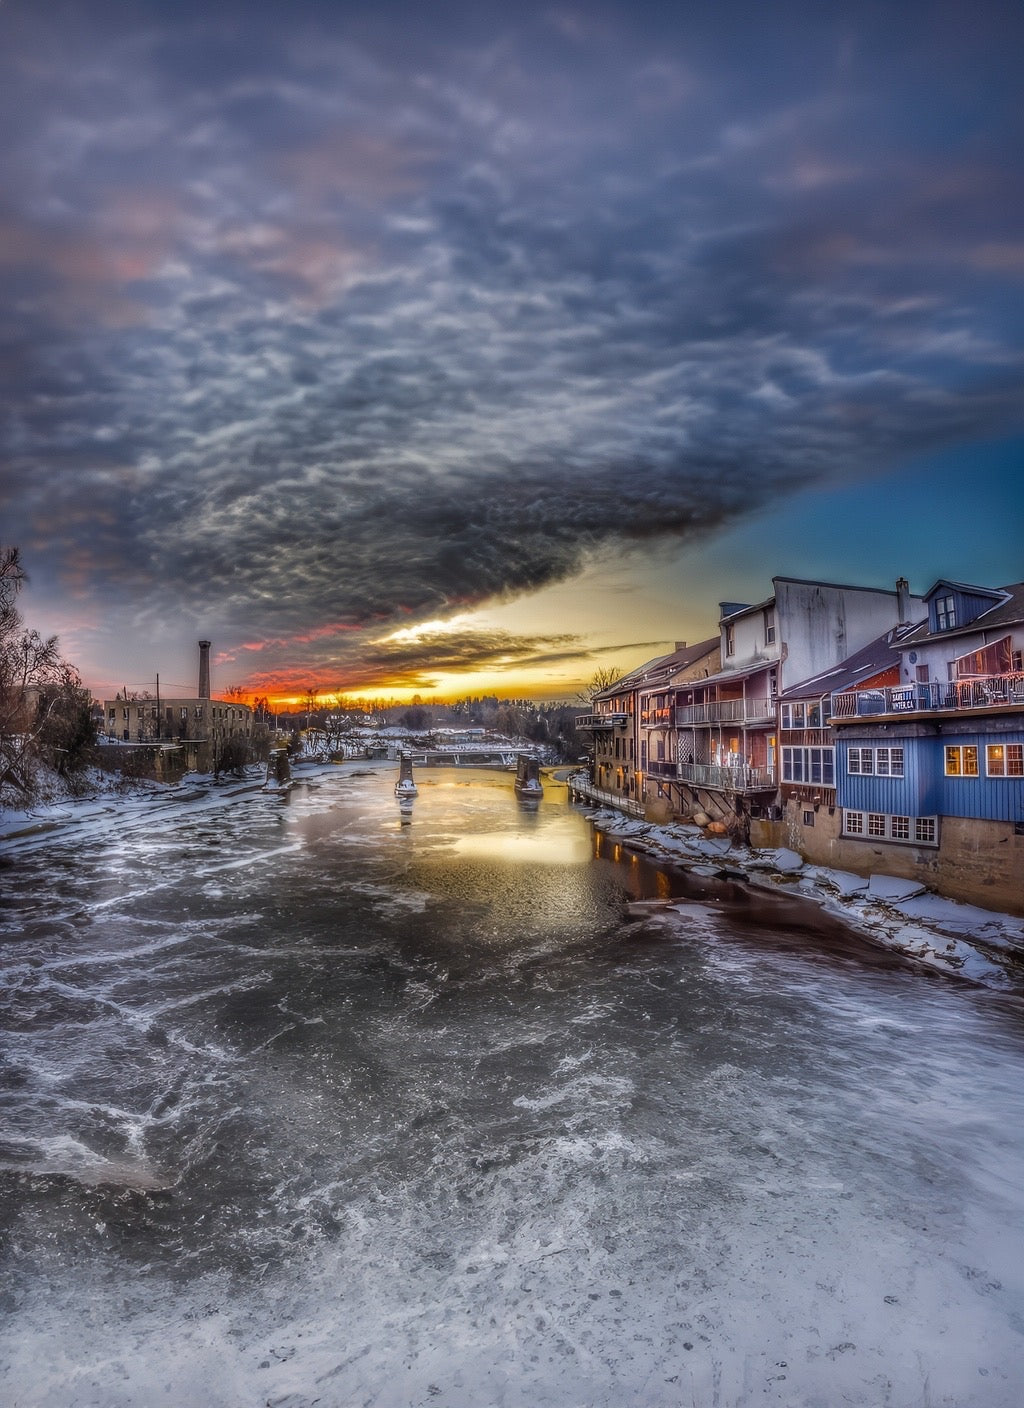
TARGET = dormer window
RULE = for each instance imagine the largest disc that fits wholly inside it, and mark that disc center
(945, 613)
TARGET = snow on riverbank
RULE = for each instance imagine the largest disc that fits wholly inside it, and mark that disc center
(979, 945)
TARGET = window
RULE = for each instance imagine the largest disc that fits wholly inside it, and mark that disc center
(1004, 759)
(814, 714)
(860, 761)
(919, 830)
(816, 765)
(945, 613)
(962, 761)
(889, 762)
(808, 818)
(730, 640)
(769, 626)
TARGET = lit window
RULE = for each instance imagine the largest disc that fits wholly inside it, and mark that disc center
(961, 761)
(876, 824)
(900, 828)
(1004, 759)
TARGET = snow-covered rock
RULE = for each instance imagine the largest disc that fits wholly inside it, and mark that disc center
(894, 887)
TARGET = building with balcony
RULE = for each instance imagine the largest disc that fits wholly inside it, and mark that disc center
(930, 768)
(728, 724)
(633, 726)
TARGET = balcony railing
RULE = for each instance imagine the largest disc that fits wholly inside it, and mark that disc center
(663, 767)
(979, 692)
(581, 786)
(600, 720)
(739, 778)
(656, 718)
(728, 711)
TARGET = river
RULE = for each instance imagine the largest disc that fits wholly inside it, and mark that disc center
(306, 1102)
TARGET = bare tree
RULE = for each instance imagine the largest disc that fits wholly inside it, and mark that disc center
(599, 681)
(41, 695)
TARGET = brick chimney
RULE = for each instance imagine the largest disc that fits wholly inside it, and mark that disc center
(204, 669)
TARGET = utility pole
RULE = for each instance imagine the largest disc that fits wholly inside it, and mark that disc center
(159, 725)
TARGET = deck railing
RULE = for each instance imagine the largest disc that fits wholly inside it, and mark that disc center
(600, 720)
(978, 692)
(727, 711)
(739, 778)
(580, 785)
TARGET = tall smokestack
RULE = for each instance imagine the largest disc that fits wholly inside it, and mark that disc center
(903, 601)
(204, 669)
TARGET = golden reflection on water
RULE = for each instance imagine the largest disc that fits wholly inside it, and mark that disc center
(552, 845)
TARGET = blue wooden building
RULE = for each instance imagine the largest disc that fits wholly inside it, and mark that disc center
(930, 771)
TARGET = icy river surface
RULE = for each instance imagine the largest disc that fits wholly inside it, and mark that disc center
(302, 1102)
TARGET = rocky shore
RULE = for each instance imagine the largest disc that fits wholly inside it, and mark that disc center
(978, 945)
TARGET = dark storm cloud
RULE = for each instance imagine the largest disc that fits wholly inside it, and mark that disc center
(331, 317)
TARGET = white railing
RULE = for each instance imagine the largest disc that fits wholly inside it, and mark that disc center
(727, 711)
(739, 778)
(580, 785)
(978, 692)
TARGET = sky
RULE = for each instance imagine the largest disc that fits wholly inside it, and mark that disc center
(469, 348)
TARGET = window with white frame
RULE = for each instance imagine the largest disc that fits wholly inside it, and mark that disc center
(814, 765)
(880, 826)
(730, 640)
(769, 626)
(1004, 759)
(961, 760)
(887, 761)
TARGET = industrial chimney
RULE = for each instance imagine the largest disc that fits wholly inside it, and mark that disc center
(204, 669)
(903, 601)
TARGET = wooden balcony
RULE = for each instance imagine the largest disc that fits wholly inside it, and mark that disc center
(942, 696)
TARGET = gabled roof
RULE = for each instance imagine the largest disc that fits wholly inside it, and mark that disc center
(863, 664)
(1007, 611)
(660, 670)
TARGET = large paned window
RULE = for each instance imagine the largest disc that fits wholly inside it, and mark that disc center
(875, 762)
(961, 761)
(880, 826)
(814, 765)
(802, 715)
(1004, 759)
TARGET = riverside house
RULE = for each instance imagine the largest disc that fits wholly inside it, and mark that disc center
(728, 724)
(929, 768)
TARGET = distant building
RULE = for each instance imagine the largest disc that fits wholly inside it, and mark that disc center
(198, 719)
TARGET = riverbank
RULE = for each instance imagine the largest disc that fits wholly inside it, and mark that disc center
(962, 940)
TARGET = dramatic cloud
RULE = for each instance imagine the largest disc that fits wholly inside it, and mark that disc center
(316, 317)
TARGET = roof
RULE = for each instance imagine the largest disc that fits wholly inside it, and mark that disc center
(1008, 612)
(661, 669)
(862, 665)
